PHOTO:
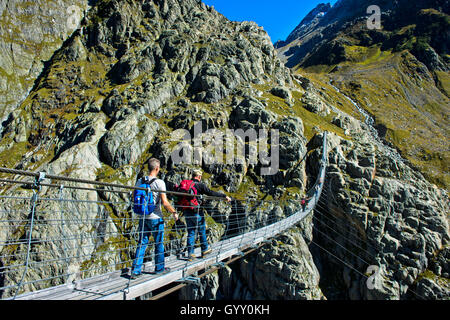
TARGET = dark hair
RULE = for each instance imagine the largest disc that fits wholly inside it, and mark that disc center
(153, 164)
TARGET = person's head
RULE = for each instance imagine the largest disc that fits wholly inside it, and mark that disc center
(153, 166)
(197, 174)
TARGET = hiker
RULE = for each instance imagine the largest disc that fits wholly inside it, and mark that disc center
(316, 190)
(305, 202)
(153, 223)
(195, 219)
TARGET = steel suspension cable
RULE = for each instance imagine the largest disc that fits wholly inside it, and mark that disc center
(34, 199)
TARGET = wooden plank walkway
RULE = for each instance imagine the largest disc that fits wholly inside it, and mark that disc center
(118, 286)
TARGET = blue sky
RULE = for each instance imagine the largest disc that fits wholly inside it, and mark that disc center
(278, 18)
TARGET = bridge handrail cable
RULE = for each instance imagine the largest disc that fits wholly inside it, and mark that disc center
(82, 250)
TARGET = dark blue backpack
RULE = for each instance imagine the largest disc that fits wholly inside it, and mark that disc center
(143, 203)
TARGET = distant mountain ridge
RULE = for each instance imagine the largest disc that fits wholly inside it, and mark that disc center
(407, 58)
(308, 23)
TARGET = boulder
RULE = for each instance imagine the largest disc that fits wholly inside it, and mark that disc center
(127, 140)
(282, 270)
(313, 103)
(251, 113)
(281, 92)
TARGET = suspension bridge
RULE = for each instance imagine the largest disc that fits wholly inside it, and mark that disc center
(73, 245)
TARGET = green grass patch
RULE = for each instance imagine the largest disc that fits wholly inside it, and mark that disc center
(443, 82)
(10, 157)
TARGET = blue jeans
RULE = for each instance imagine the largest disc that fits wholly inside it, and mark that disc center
(155, 227)
(195, 223)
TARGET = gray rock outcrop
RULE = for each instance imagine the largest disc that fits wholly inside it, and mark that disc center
(380, 212)
(31, 32)
(127, 139)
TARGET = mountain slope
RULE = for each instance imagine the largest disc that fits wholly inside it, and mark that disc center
(398, 74)
(136, 72)
(30, 31)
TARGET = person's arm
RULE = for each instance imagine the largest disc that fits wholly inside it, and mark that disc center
(203, 189)
(161, 185)
(168, 206)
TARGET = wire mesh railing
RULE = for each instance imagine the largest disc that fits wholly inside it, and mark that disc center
(55, 234)
(59, 241)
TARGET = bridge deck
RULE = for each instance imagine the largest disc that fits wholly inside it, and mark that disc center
(118, 286)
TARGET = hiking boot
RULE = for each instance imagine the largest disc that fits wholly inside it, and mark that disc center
(191, 257)
(135, 275)
(206, 252)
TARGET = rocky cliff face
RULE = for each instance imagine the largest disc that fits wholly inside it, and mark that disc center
(376, 212)
(135, 72)
(380, 212)
(30, 32)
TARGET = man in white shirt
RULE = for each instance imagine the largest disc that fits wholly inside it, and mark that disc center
(153, 224)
